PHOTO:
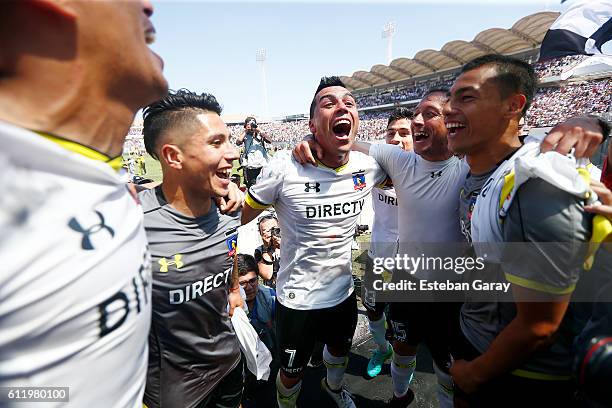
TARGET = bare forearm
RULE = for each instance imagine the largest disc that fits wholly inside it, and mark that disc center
(265, 271)
(362, 147)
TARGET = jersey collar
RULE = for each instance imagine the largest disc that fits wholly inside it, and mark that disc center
(336, 169)
(114, 162)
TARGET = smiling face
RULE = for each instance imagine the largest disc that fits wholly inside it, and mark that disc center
(475, 113)
(335, 120)
(399, 133)
(207, 157)
(428, 130)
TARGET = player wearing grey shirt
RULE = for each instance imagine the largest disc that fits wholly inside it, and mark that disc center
(516, 353)
(192, 342)
(194, 357)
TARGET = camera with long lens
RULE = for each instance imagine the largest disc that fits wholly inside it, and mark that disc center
(275, 232)
(253, 124)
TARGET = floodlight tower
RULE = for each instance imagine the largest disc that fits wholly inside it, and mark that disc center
(260, 57)
(388, 32)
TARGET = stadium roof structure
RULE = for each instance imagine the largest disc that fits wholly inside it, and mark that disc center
(526, 34)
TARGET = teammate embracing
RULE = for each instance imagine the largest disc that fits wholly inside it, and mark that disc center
(317, 208)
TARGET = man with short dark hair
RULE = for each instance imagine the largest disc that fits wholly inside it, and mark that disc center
(260, 299)
(255, 154)
(317, 208)
(75, 297)
(518, 351)
(194, 358)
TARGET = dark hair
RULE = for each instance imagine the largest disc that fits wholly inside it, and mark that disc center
(246, 263)
(173, 109)
(513, 75)
(248, 119)
(325, 82)
(400, 113)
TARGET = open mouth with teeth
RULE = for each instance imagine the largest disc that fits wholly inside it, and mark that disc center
(454, 128)
(420, 136)
(342, 129)
(224, 174)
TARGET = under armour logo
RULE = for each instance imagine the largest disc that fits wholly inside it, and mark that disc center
(436, 174)
(312, 186)
(89, 231)
(164, 263)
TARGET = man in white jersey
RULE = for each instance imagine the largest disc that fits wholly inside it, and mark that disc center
(384, 241)
(75, 294)
(426, 182)
(517, 351)
(317, 208)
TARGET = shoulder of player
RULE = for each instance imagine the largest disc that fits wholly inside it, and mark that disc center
(148, 199)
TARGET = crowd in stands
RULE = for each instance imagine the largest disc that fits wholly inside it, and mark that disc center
(399, 94)
(285, 135)
(556, 66)
(553, 105)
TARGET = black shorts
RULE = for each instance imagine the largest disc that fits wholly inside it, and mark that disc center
(368, 297)
(432, 323)
(228, 393)
(298, 330)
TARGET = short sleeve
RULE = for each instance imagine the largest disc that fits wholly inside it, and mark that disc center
(268, 186)
(391, 158)
(544, 231)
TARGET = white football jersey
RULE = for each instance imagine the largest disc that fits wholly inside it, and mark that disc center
(384, 225)
(75, 284)
(317, 209)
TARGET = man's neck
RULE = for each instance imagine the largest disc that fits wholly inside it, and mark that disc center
(65, 109)
(488, 157)
(250, 304)
(184, 201)
(334, 160)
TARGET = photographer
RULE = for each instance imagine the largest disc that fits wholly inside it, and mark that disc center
(255, 155)
(268, 254)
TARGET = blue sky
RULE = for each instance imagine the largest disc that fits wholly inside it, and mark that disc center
(210, 46)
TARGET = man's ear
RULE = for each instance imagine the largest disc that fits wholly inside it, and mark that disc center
(311, 126)
(172, 156)
(516, 104)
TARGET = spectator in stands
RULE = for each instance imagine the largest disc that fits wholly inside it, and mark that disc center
(255, 155)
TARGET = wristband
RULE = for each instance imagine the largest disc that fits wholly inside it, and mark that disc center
(236, 289)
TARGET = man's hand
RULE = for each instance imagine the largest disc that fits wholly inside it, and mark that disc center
(581, 132)
(303, 151)
(463, 376)
(605, 197)
(235, 300)
(233, 202)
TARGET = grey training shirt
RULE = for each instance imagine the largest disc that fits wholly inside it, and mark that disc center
(192, 345)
